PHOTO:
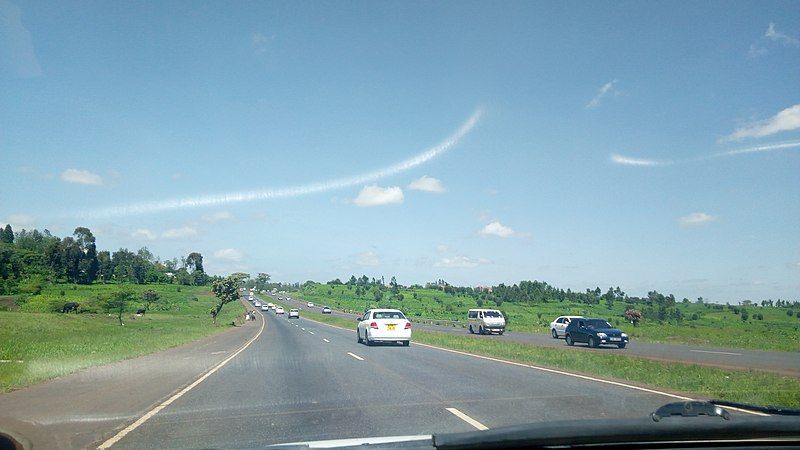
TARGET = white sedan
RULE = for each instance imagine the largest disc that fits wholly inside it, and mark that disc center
(384, 325)
(279, 310)
(294, 313)
(558, 326)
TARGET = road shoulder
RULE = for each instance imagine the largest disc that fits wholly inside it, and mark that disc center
(87, 407)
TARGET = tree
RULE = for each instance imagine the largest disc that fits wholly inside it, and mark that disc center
(394, 287)
(118, 303)
(150, 296)
(194, 262)
(226, 290)
(261, 280)
(633, 315)
(87, 261)
(378, 295)
(7, 235)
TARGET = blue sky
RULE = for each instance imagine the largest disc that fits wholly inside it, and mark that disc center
(606, 152)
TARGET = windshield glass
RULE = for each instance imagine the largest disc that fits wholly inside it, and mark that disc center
(179, 180)
(595, 323)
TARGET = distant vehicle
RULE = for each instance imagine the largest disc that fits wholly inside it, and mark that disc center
(326, 310)
(270, 304)
(288, 298)
(383, 325)
(558, 326)
(279, 310)
(257, 304)
(310, 305)
(594, 332)
(486, 321)
(264, 308)
(294, 312)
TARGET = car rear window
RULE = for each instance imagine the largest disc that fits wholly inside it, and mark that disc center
(388, 315)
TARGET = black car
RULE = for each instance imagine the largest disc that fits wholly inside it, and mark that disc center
(594, 332)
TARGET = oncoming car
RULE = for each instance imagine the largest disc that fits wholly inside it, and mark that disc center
(326, 310)
(594, 332)
(294, 312)
(383, 325)
(559, 326)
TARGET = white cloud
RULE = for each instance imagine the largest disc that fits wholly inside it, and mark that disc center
(606, 89)
(755, 51)
(217, 216)
(427, 184)
(16, 46)
(441, 248)
(628, 161)
(229, 254)
(375, 195)
(18, 222)
(777, 36)
(179, 233)
(369, 259)
(696, 218)
(786, 120)
(461, 262)
(497, 229)
(259, 42)
(144, 234)
(81, 177)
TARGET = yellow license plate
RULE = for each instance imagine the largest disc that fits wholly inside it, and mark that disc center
(390, 326)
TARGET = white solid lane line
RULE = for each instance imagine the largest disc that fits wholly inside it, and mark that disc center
(325, 340)
(716, 353)
(355, 356)
(468, 419)
(311, 332)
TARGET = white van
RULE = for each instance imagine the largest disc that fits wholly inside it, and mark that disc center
(486, 321)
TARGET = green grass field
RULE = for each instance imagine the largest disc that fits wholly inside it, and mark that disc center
(695, 381)
(716, 328)
(52, 344)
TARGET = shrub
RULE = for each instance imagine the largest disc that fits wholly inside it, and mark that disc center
(744, 315)
(179, 289)
(695, 316)
(62, 293)
(789, 313)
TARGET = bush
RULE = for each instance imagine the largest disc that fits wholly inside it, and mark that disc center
(744, 315)
(62, 293)
(179, 289)
(789, 313)
(695, 316)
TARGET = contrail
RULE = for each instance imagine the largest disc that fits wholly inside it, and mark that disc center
(292, 191)
(628, 161)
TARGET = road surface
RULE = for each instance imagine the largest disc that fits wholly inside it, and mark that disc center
(302, 380)
(786, 363)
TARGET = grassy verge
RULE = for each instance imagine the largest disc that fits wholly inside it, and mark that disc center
(51, 344)
(692, 380)
(703, 324)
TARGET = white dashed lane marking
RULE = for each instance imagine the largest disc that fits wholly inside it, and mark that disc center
(355, 356)
(468, 419)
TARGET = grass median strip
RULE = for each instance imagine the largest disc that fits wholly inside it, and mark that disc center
(750, 386)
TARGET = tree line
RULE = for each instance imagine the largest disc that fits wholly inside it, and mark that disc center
(30, 258)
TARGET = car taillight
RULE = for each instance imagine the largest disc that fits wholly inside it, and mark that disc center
(408, 325)
(374, 325)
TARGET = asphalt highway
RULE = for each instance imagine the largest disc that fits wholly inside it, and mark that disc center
(302, 380)
(786, 363)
